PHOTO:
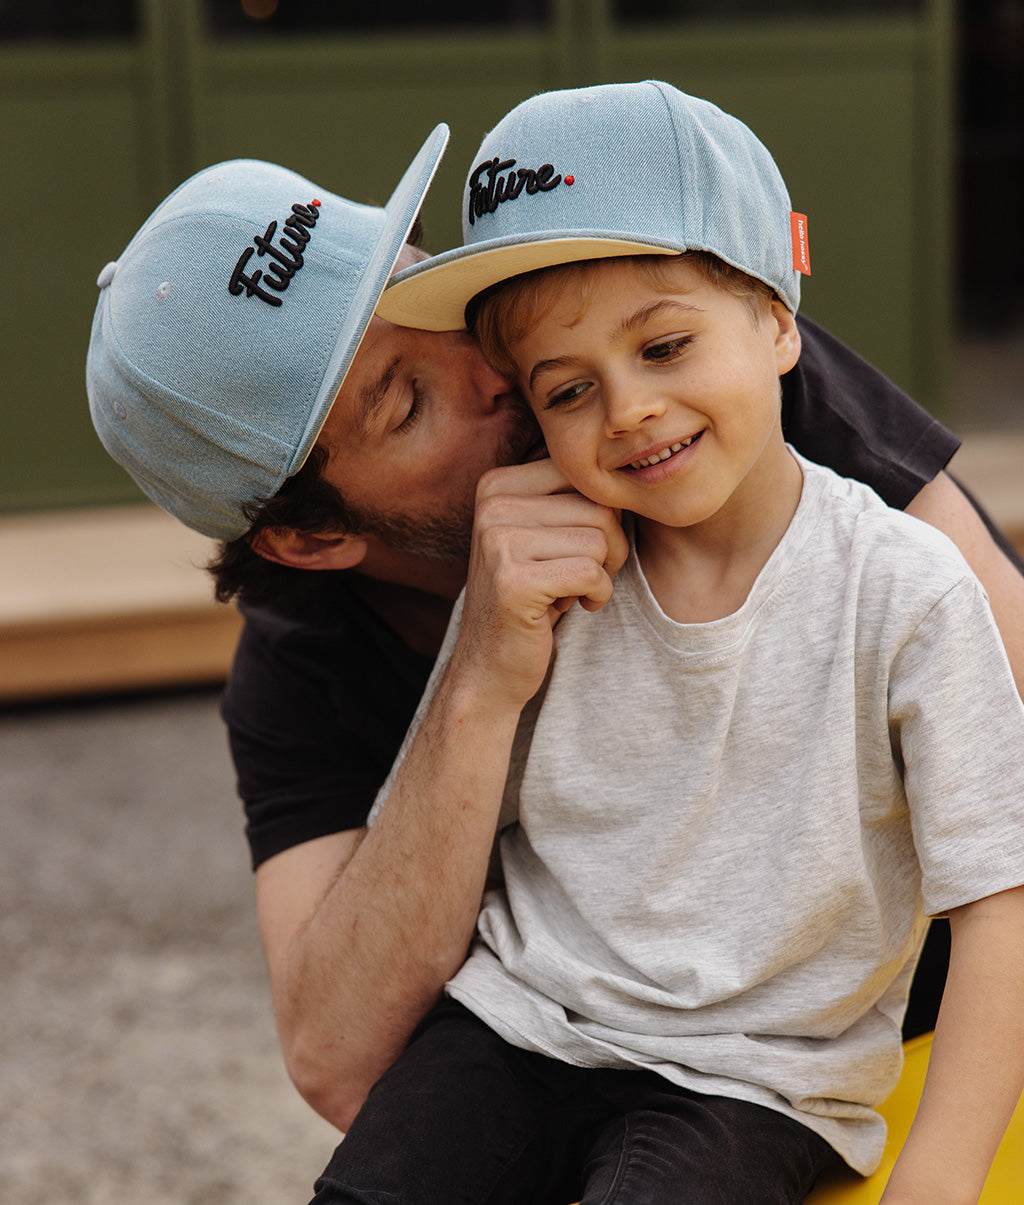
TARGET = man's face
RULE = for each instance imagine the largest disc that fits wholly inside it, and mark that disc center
(420, 417)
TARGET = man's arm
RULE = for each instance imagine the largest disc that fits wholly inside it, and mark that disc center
(976, 1071)
(942, 504)
(362, 929)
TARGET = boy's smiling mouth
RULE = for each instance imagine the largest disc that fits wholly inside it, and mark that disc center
(665, 453)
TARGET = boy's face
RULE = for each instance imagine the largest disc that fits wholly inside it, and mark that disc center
(663, 403)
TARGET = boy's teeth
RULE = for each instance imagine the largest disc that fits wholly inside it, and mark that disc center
(664, 454)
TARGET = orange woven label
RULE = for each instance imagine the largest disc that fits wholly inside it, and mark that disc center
(801, 250)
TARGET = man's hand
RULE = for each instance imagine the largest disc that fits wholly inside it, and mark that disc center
(538, 547)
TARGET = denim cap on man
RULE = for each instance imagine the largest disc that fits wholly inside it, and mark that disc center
(617, 169)
(225, 329)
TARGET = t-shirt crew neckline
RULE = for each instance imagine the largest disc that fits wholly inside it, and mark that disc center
(718, 640)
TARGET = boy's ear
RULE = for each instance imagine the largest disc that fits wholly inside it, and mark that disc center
(309, 550)
(787, 337)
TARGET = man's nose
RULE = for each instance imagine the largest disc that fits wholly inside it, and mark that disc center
(489, 385)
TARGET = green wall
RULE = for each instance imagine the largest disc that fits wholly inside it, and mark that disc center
(93, 134)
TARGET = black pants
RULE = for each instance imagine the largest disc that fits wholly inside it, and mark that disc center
(462, 1117)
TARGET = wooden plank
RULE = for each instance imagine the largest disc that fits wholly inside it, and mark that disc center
(69, 565)
(186, 648)
(107, 599)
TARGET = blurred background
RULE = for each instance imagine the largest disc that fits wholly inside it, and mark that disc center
(137, 1054)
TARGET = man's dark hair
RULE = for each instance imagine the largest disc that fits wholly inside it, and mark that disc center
(307, 503)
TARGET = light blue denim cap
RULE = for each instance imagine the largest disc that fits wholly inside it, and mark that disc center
(225, 329)
(617, 169)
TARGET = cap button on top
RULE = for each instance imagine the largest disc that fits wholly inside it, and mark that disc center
(107, 275)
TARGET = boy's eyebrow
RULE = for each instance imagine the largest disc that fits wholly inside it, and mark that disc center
(543, 366)
(652, 310)
(373, 396)
(644, 314)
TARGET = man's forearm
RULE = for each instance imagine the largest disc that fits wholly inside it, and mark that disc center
(397, 922)
(976, 1071)
(358, 951)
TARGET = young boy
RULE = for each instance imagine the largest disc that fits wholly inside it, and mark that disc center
(749, 777)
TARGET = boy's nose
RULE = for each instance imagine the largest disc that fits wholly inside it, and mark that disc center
(627, 408)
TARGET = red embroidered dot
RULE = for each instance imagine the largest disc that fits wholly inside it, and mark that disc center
(316, 203)
(570, 179)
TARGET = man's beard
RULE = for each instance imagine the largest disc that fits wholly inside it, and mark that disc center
(447, 535)
(441, 537)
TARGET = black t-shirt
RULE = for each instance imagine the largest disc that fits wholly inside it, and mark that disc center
(322, 690)
(318, 700)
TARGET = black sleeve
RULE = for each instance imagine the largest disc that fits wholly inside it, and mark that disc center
(315, 714)
(840, 411)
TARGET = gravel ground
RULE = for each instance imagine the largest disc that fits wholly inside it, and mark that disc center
(138, 1059)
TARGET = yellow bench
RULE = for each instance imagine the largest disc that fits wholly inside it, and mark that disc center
(1005, 1184)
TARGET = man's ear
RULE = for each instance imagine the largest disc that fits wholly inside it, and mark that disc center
(787, 337)
(309, 550)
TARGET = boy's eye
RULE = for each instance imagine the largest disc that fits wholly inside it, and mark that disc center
(561, 399)
(667, 349)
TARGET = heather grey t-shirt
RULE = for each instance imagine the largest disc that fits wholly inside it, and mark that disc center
(730, 834)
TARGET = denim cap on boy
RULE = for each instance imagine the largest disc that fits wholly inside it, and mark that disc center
(617, 169)
(225, 329)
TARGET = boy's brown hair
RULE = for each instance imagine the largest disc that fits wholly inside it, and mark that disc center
(504, 314)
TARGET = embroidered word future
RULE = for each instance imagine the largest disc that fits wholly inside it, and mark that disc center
(488, 188)
(285, 258)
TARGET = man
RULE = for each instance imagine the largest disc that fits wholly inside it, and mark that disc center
(236, 371)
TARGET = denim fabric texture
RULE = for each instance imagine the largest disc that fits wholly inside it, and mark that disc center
(619, 169)
(223, 332)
